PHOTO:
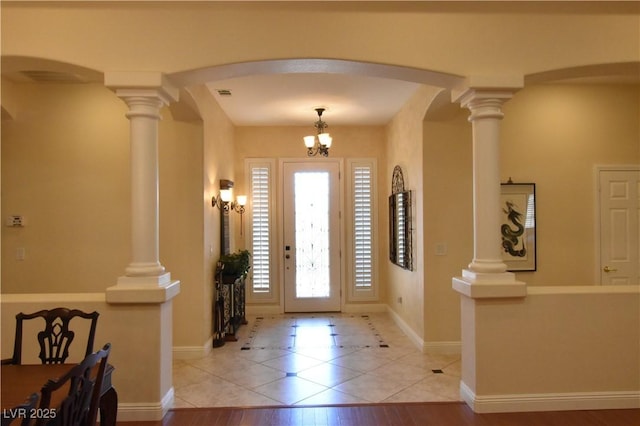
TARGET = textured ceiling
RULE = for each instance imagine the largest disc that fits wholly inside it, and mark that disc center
(291, 99)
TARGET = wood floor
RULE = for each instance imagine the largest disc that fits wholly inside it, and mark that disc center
(409, 414)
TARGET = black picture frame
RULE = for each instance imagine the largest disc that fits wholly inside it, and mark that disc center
(400, 244)
(518, 226)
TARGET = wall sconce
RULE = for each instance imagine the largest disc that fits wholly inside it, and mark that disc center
(238, 206)
(224, 200)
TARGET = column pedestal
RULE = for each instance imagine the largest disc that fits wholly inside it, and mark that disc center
(493, 286)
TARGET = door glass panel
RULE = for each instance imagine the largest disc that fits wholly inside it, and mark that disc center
(312, 234)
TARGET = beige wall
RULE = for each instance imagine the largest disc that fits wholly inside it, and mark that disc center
(65, 168)
(448, 218)
(554, 136)
(286, 142)
(193, 311)
(181, 226)
(405, 149)
(65, 158)
(461, 39)
(532, 355)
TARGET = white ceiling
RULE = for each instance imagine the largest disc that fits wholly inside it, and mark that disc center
(291, 99)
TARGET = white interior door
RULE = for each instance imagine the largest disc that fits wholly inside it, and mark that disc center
(619, 227)
(311, 213)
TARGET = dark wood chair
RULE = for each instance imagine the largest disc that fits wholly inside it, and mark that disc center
(84, 383)
(22, 414)
(56, 337)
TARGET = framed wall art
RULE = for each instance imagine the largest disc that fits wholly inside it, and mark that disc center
(518, 225)
(400, 227)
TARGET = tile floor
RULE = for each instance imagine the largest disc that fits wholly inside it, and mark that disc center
(316, 359)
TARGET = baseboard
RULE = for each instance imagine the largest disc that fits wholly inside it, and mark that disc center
(365, 308)
(442, 347)
(425, 347)
(347, 308)
(140, 412)
(549, 401)
(415, 339)
(193, 352)
(262, 309)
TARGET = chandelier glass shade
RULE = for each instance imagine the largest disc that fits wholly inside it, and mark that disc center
(318, 144)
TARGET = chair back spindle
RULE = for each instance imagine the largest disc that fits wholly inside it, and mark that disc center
(56, 337)
(55, 340)
(80, 405)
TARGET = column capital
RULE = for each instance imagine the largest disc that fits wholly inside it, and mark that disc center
(142, 103)
(141, 84)
(485, 103)
(489, 91)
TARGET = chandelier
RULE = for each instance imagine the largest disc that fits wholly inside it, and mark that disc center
(320, 143)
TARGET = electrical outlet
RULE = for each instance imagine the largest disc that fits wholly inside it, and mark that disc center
(16, 221)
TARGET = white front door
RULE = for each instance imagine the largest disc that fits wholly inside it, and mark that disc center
(311, 213)
(619, 227)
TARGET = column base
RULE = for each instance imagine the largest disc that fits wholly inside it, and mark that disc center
(489, 285)
(145, 269)
(143, 290)
(150, 280)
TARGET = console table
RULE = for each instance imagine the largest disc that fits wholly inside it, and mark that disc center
(229, 306)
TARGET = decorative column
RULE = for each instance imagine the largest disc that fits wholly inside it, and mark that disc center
(487, 268)
(144, 113)
(145, 280)
(145, 94)
(486, 278)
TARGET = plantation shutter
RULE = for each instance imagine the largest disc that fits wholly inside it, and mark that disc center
(362, 227)
(260, 238)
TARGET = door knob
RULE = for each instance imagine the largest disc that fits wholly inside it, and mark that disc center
(607, 269)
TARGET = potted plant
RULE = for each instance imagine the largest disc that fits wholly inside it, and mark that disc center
(235, 264)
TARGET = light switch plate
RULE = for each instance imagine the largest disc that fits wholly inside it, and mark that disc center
(441, 249)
